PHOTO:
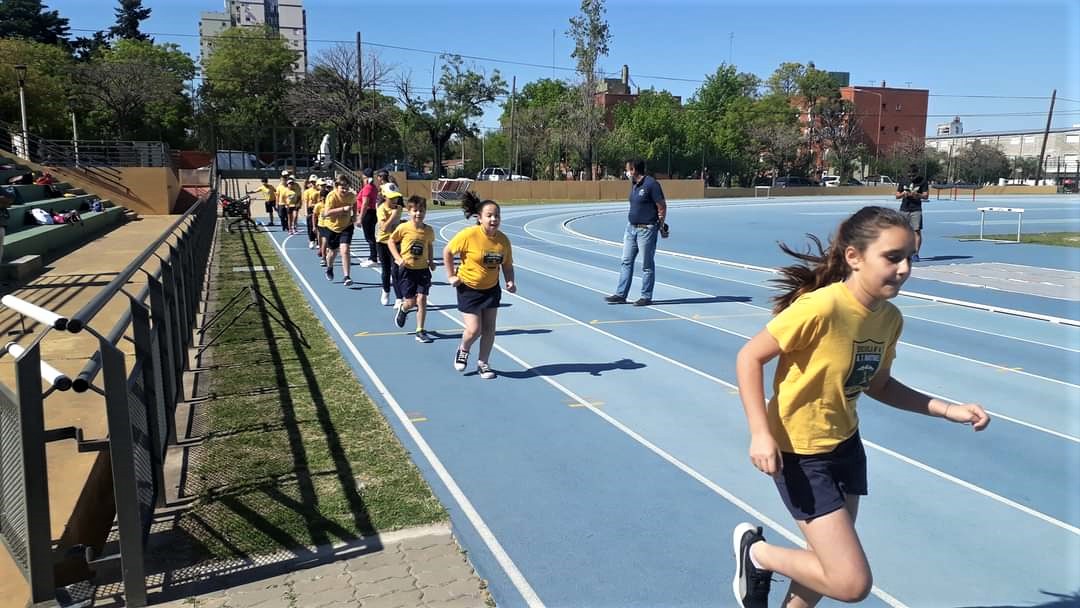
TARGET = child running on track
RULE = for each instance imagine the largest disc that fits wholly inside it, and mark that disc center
(387, 216)
(483, 250)
(311, 197)
(835, 333)
(338, 210)
(415, 257)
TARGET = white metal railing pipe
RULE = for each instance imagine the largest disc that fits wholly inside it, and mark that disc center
(56, 378)
(35, 312)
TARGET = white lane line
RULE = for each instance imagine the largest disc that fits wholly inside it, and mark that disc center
(745, 337)
(682, 466)
(496, 548)
(910, 294)
(533, 232)
(903, 342)
(706, 375)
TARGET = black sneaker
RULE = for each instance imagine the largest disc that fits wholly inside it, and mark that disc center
(461, 359)
(322, 262)
(643, 302)
(615, 299)
(751, 584)
(348, 281)
(329, 274)
(400, 316)
(485, 371)
(424, 337)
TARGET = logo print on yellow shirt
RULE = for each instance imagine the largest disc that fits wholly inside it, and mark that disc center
(865, 361)
(492, 259)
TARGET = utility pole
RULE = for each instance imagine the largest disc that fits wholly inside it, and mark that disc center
(731, 47)
(359, 89)
(1046, 135)
(513, 99)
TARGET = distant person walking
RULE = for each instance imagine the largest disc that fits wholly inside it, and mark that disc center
(913, 190)
(270, 198)
(366, 203)
(646, 220)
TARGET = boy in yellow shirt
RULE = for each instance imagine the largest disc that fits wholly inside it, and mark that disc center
(338, 211)
(311, 196)
(413, 246)
(269, 197)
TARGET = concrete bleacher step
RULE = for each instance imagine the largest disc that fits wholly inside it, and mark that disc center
(70, 283)
(47, 239)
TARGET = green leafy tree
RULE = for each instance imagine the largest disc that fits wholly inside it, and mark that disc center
(541, 130)
(29, 19)
(774, 128)
(136, 91)
(719, 115)
(839, 134)
(980, 163)
(129, 15)
(592, 39)
(785, 80)
(456, 101)
(86, 47)
(652, 128)
(247, 78)
(47, 84)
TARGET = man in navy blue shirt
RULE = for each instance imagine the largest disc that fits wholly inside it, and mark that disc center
(648, 210)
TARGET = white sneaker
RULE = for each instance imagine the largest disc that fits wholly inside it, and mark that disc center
(385, 298)
(367, 264)
(397, 302)
(311, 245)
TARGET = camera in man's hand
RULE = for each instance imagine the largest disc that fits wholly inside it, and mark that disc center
(664, 231)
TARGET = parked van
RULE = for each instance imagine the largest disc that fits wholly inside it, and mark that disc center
(238, 160)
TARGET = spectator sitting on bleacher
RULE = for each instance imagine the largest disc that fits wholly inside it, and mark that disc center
(45, 180)
(5, 202)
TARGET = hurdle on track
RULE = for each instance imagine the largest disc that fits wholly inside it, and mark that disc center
(767, 189)
(982, 218)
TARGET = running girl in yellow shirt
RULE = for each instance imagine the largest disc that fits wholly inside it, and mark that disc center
(835, 333)
(482, 250)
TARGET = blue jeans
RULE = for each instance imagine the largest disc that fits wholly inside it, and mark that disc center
(638, 239)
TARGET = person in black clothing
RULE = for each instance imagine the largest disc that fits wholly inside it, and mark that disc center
(913, 190)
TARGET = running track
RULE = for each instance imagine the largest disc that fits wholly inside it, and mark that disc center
(607, 464)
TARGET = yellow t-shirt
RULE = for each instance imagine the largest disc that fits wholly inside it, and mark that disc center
(831, 347)
(481, 256)
(267, 191)
(281, 194)
(382, 213)
(414, 244)
(316, 212)
(311, 196)
(341, 221)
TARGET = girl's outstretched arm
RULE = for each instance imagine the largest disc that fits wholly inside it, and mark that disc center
(762, 348)
(891, 391)
(451, 269)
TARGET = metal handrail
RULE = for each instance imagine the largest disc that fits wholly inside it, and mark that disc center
(78, 321)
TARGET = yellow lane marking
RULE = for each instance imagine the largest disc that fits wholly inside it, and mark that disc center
(589, 403)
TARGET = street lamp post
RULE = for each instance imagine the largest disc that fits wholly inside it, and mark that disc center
(20, 74)
(74, 128)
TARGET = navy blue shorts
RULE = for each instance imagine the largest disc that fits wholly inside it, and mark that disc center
(475, 301)
(413, 281)
(817, 484)
(337, 239)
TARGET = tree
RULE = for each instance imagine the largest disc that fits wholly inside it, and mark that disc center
(980, 163)
(247, 78)
(718, 118)
(541, 129)
(838, 134)
(85, 48)
(591, 40)
(775, 130)
(136, 90)
(47, 82)
(456, 101)
(332, 96)
(651, 128)
(129, 15)
(29, 19)
(785, 80)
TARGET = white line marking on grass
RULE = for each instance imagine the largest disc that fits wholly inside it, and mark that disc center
(910, 294)
(508, 566)
(682, 466)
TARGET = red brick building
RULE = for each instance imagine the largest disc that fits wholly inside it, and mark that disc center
(887, 115)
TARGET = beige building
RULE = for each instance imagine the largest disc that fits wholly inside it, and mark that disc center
(286, 17)
(1062, 147)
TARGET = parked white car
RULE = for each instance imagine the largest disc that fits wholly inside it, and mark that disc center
(830, 181)
(499, 174)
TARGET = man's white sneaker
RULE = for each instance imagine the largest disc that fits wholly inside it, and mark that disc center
(384, 299)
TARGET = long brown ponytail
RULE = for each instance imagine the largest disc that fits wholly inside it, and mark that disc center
(829, 265)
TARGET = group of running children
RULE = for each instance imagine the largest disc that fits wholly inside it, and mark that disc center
(834, 331)
(405, 250)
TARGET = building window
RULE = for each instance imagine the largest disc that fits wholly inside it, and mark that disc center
(882, 128)
(896, 129)
(1029, 139)
(899, 107)
(1014, 140)
(882, 105)
(1072, 139)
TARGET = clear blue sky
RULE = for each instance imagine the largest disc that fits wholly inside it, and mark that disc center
(960, 50)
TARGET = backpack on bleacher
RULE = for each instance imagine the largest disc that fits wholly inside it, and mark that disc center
(42, 217)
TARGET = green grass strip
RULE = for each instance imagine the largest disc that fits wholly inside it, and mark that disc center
(295, 454)
(1061, 239)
